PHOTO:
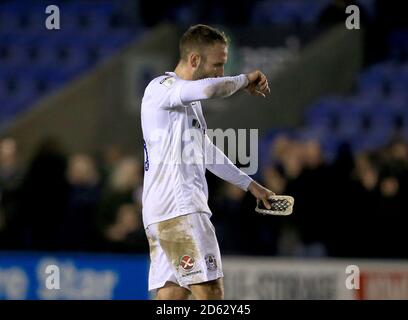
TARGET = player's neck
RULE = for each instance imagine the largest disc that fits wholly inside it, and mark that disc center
(183, 72)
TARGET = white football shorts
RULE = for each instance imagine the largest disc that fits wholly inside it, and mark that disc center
(183, 250)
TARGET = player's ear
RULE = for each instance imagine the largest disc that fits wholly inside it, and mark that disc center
(195, 60)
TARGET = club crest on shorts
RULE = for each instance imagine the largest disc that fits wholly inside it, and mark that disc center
(187, 263)
(211, 262)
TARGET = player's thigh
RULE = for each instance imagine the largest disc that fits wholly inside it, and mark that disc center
(210, 290)
(172, 291)
(190, 246)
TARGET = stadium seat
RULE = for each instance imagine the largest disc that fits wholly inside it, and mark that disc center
(325, 114)
(372, 81)
(398, 45)
(34, 61)
(351, 119)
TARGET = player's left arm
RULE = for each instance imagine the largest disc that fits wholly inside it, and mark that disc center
(219, 164)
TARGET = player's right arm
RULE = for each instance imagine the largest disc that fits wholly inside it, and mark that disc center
(180, 92)
(254, 83)
(257, 84)
(219, 164)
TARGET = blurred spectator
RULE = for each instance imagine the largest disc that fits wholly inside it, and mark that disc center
(289, 243)
(123, 186)
(126, 176)
(10, 182)
(77, 228)
(309, 185)
(288, 156)
(3, 237)
(354, 213)
(111, 156)
(82, 171)
(227, 217)
(278, 148)
(2, 224)
(391, 211)
(274, 180)
(286, 237)
(126, 232)
(366, 172)
(44, 197)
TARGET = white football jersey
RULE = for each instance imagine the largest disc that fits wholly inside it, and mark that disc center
(174, 142)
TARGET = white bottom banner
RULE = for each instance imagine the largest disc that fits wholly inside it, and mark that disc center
(277, 279)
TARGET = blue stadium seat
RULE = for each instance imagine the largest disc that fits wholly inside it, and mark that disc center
(8, 110)
(282, 13)
(83, 17)
(372, 141)
(10, 13)
(386, 70)
(309, 11)
(369, 7)
(35, 61)
(330, 145)
(382, 117)
(48, 82)
(351, 118)
(311, 133)
(273, 12)
(22, 89)
(372, 81)
(398, 45)
(3, 88)
(325, 113)
(365, 99)
(294, 11)
(399, 83)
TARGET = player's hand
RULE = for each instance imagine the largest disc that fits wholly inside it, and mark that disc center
(258, 84)
(260, 193)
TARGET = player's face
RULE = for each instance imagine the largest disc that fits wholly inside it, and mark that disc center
(212, 62)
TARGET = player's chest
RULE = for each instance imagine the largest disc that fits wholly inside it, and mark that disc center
(195, 116)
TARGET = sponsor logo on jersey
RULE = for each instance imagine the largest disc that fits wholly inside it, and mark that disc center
(168, 81)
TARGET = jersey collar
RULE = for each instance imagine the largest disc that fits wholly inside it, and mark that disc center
(170, 73)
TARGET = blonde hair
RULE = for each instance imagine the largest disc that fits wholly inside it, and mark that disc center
(199, 36)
